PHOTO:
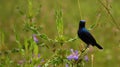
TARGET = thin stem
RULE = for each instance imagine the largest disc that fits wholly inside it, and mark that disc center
(107, 9)
(92, 60)
(80, 10)
(83, 53)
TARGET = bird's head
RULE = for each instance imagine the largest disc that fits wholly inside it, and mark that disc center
(82, 23)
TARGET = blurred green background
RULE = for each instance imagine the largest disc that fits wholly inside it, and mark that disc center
(106, 32)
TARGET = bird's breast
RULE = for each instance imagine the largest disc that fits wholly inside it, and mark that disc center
(80, 32)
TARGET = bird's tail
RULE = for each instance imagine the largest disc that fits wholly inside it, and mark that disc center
(98, 46)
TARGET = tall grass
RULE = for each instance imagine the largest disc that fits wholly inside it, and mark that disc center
(32, 49)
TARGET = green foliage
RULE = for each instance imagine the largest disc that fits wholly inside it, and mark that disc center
(54, 49)
(59, 22)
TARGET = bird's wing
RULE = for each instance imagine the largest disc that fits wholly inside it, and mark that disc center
(89, 36)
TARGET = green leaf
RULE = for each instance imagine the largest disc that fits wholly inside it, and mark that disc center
(59, 22)
(17, 36)
(26, 45)
(35, 48)
(30, 9)
(92, 26)
(72, 39)
(43, 36)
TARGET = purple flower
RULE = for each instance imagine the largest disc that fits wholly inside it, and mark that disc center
(21, 62)
(38, 66)
(66, 65)
(86, 58)
(38, 55)
(74, 55)
(42, 60)
(35, 38)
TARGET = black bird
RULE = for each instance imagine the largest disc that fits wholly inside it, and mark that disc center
(85, 36)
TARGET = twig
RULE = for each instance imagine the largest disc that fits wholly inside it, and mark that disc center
(114, 21)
